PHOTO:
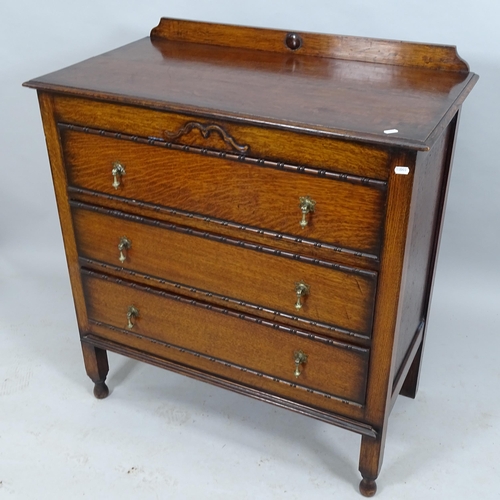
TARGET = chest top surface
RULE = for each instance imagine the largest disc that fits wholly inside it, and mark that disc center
(331, 85)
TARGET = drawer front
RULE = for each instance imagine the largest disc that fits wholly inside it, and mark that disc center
(232, 269)
(333, 368)
(345, 215)
(282, 145)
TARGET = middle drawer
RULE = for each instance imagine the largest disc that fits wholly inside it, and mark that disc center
(279, 282)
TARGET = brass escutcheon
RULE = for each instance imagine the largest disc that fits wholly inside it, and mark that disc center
(301, 290)
(132, 313)
(117, 172)
(299, 358)
(306, 205)
(124, 245)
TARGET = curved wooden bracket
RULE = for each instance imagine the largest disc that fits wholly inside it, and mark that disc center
(205, 131)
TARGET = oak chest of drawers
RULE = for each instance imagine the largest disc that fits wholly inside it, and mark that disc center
(260, 210)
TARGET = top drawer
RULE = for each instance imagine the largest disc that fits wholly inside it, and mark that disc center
(346, 215)
(277, 144)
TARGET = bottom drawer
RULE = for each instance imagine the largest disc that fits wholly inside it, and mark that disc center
(240, 341)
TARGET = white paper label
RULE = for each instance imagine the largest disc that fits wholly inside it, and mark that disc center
(391, 131)
(402, 170)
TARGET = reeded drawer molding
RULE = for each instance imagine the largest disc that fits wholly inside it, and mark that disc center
(345, 364)
(227, 363)
(223, 239)
(262, 162)
(73, 190)
(232, 189)
(342, 297)
(238, 387)
(107, 268)
(301, 148)
(235, 314)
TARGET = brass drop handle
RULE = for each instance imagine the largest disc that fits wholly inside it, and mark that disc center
(300, 358)
(124, 245)
(118, 172)
(301, 290)
(306, 204)
(132, 313)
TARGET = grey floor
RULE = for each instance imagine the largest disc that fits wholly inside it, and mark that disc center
(162, 436)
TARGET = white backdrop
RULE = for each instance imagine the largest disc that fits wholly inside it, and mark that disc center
(37, 37)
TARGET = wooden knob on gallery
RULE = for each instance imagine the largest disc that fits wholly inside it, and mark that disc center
(293, 41)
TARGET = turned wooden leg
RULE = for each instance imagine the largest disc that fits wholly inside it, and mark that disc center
(368, 487)
(96, 365)
(410, 385)
(370, 461)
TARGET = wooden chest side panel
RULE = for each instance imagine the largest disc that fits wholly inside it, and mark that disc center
(431, 171)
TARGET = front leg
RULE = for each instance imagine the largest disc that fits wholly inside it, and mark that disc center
(96, 365)
(370, 462)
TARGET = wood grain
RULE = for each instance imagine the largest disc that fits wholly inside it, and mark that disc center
(272, 316)
(279, 241)
(346, 99)
(328, 409)
(334, 370)
(411, 382)
(267, 143)
(57, 167)
(337, 297)
(439, 57)
(388, 314)
(430, 172)
(346, 215)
